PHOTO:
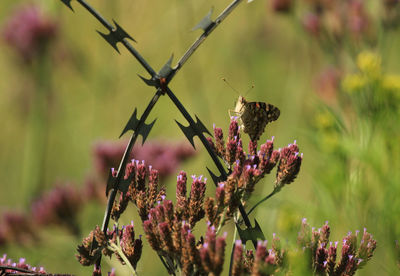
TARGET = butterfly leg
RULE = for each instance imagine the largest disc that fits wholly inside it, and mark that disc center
(233, 113)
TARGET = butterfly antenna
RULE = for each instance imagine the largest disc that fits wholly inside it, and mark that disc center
(230, 86)
(247, 92)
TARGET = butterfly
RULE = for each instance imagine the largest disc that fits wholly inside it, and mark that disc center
(254, 116)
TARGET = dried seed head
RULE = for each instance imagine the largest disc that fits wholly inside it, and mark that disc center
(210, 209)
(196, 200)
(331, 260)
(320, 260)
(289, 165)
(153, 187)
(181, 200)
(366, 248)
(233, 130)
(86, 254)
(253, 147)
(151, 235)
(219, 254)
(219, 142)
(166, 237)
(325, 233)
(237, 267)
(131, 247)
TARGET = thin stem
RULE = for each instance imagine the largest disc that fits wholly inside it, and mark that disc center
(221, 222)
(37, 129)
(11, 268)
(118, 250)
(169, 269)
(262, 200)
(233, 250)
(117, 232)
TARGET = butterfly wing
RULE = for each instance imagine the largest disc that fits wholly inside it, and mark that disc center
(256, 115)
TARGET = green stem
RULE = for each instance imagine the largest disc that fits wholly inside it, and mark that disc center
(221, 222)
(118, 250)
(33, 168)
(233, 249)
(264, 199)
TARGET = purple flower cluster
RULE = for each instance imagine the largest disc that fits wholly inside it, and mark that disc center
(289, 165)
(324, 253)
(59, 206)
(8, 266)
(247, 170)
(118, 242)
(131, 247)
(190, 208)
(167, 228)
(144, 190)
(263, 262)
(173, 238)
(16, 227)
(29, 32)
(164, 223)
(338, 20)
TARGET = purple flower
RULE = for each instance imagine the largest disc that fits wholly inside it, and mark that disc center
(163, 156)
(21, 264)
(59, 206)
(323, 257)
(312, 24)
(282, 6)
(237, 259)
(29, 32)
(16, 227)
(131, 247)
(289, 165)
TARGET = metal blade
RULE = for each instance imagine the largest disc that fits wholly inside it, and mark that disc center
(133, 123)
(250, 234)
(205, 23)
(68, 4)
(166, 69)
(216, 179)
(116, 35)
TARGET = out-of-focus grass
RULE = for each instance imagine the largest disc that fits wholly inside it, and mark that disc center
(95, 91)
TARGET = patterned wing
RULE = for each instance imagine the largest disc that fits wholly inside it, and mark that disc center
(272, 112)
(255, 116)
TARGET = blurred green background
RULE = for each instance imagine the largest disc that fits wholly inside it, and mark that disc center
(350, 171)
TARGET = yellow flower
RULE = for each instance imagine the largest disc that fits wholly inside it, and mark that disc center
(353, 83)
(369, 64)
(391, 83)
(330, 141)
(324, 120)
